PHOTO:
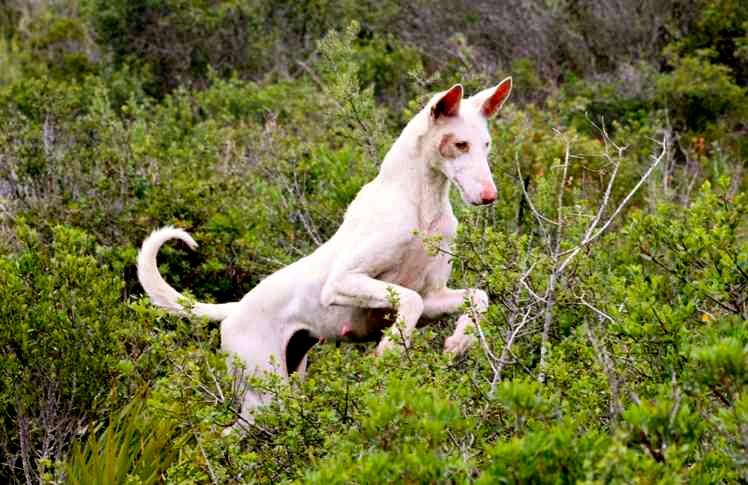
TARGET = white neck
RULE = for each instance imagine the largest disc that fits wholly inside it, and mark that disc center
(407, 167)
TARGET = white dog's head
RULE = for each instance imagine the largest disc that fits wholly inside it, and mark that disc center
(459, 141)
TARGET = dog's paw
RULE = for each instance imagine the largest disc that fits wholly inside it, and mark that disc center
(387, 345)
(458, 344)
(480, 300)
(237, 427)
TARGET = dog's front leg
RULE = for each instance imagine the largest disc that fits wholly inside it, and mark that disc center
(360, 290)
(446, 301)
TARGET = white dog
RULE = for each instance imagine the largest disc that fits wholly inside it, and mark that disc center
(375, 263)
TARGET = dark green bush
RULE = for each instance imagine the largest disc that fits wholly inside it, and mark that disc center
(253, 125)
(68, 343)
(177, 42)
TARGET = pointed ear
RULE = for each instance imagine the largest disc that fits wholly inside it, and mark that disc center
(448, 102)
(490, 100)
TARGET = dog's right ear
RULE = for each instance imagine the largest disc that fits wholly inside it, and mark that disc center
(448, 103)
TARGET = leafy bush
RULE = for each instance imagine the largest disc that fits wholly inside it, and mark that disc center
(699, 93)
(69, 343)
(178, 42)
(615, 346)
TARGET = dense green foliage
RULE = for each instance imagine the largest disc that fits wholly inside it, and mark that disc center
(618, 358)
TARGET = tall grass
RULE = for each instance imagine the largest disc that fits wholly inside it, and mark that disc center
(131, 448)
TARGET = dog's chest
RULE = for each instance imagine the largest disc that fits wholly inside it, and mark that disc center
(424, 262)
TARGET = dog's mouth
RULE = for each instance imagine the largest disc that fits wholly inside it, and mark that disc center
(463, 194)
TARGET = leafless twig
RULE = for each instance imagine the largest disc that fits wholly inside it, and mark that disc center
(525, 305)
(562, 259)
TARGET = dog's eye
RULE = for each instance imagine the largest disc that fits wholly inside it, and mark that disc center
(487, 143)
(462, 146)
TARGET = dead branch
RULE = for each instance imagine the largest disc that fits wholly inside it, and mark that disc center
(526, 305)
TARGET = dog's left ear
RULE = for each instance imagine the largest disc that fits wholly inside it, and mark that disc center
(489, 101)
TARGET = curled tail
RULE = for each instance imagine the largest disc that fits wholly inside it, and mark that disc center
(160, 292)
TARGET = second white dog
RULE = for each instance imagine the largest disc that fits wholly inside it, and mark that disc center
(346, 287)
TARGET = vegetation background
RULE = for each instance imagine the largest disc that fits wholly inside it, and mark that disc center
(615, 349)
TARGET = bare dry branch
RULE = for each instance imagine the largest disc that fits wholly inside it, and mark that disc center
(553, 234)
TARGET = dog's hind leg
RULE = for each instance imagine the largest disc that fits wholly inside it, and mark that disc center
(254, 348)
(301, 369)
(263, 347)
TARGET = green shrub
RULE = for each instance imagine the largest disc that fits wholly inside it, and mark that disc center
(68, 343)
(253, 125)
(698, 93)
(179, 42)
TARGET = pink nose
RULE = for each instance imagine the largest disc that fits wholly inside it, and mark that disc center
(488, 194)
